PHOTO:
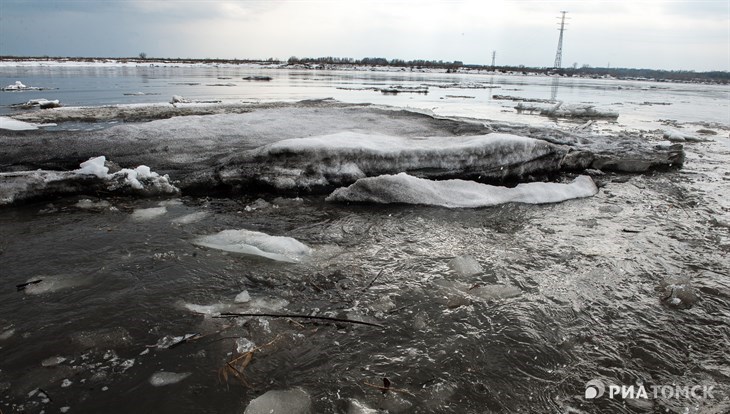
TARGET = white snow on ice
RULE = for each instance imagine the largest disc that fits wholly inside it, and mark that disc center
(406, 189)
(279, 248)
(680, 136)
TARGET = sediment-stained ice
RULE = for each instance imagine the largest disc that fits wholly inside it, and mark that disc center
(342, 158)
(406, 189)
(279, 248)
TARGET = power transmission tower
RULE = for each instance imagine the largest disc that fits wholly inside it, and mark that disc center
(494, 56)
(559, 53)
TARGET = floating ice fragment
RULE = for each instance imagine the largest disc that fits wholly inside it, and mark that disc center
(465, 266)
(190, 218)
(406, 189)
(7, 334)
(294, 401)
(679, 136)
(242, 297)
(52, 361)
(162, 378)
(94, 166)
(244, 345)
(66, 383)
(279, 248)
(142, 214)
(356, 407)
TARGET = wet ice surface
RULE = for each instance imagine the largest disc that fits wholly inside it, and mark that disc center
(508, 308)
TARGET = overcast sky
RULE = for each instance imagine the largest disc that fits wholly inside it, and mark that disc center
(637, 33)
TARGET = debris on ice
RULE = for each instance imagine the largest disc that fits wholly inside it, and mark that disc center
(162, 378)
(561, 110)
(406, 189)
(293, 401)
(279, 248)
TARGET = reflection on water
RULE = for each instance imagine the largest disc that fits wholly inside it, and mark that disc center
(554, 88)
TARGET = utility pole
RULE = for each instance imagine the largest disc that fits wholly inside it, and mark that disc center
(494, 56)
(559, 53)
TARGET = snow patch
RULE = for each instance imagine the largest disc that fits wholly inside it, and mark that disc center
(279, 248)
(406, 189)
(465, 266)
(242, 297)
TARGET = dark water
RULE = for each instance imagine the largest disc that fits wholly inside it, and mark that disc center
(583, 301)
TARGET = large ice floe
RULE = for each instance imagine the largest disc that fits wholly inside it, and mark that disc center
(405, 189)
(254, 243)
(344, 157)
(313, 147)
(92, 176)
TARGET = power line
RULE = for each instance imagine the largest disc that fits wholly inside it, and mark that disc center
(559, 53)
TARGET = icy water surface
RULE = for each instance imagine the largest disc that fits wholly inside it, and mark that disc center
(640, 103)
(505, 309)
(559, 295)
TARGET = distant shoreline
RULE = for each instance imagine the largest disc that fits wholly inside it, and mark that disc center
(650, 75)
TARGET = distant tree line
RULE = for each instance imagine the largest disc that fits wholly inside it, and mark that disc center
(376, 61)
(619, 73)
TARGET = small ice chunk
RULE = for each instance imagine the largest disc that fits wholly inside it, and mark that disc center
(190, 218)
(66, 383)
(209, 310)
(64, 409)
(142, 214)
(270, 303)
(242, 297)
(87, 204)
(94, 166)
(7, 334)
(465, 266)
(162, 378)
(679, 136)
(178, 99)
(18, 85)
(283, 249)
(244, 345)
(260, 203)
(294, 401)
(356, 407)
(52, 361)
